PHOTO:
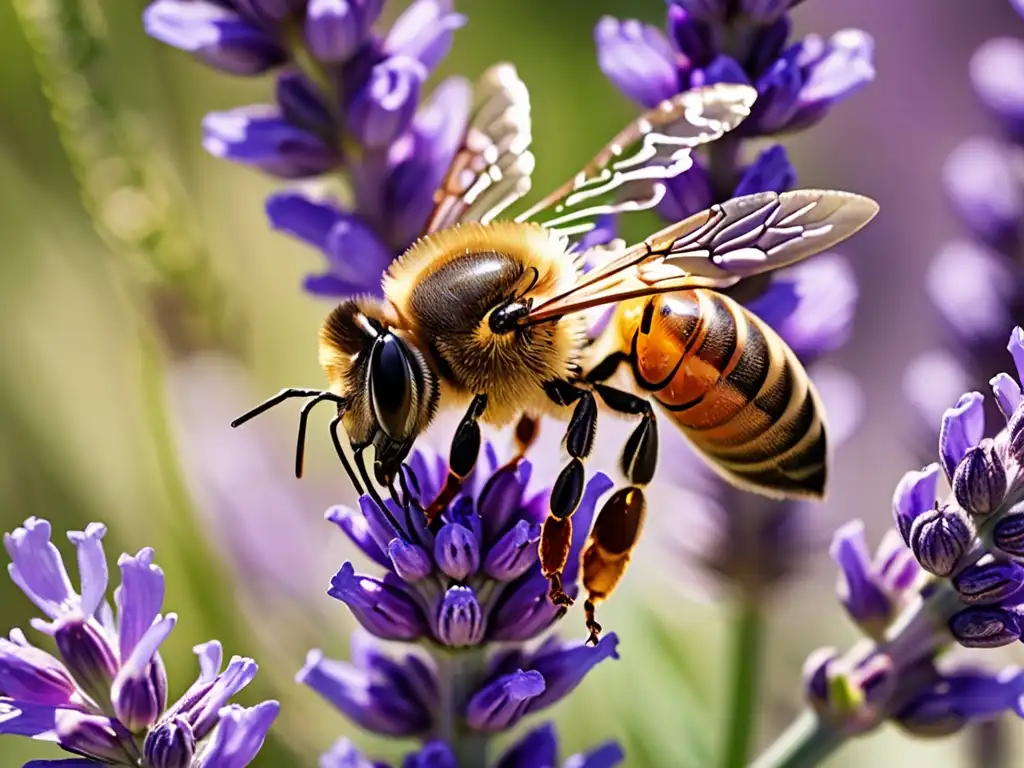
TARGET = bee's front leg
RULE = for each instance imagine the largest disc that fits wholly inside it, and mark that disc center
(462, 458)
(556, 535)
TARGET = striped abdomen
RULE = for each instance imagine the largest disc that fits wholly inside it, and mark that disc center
(736, 389)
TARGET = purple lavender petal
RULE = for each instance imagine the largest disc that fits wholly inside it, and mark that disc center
(859, 592)
(899, 570)
(38, 569)
(355, 253)
(844, 66)
(997, 73)
(764, 11)
(501, 498)
(638, 59)
(75, 762)
(92, 565)
(354, 526)
(582, 518)
(410, 561)
(335, 29)
(302, 103)
(203, 714)
(565, 666)
(95, 736)
(770, 172)
(686, 194)
(299, 215)
(607, 755)
(721, 69)
(985, 190)
(525, 610)
(514, 553)
(239, 735)
(214, 34)
(768, 45)
(384, 107)
(141, 597)
(963, 696)
(914, 495)
(259, 136)
(424, 31)
(500, 703)
(778, 96)
(1016, 349)
(370, 704)
(33, 676)
(88, 656)
(382, 607)
(1007, 393)
(344, 754)
(962, 427)
(139, 692)
(692, 36)
(23, 718)
(435, 754)
(539, 747)
(266, 12)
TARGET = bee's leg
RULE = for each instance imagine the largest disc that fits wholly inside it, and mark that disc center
(621, 518)
(556, 534)
(462, 459)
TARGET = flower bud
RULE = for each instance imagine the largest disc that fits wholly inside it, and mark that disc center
(95, 736)
(1008, 534)
(170, 745)
(984, 627)
(140, 699)
(457, 551)
(979, 482)
(691, 35)
(988, 583)
(940, 537)
(382, 607)
(88, 656)
(460, 620)
(411, 562)
(335, 29)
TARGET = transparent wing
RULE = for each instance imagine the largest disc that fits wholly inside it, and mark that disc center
(492, 168)
(718, 247)
(625, 174)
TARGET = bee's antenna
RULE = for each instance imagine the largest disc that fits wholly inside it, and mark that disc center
(280, 397)
(341, 454)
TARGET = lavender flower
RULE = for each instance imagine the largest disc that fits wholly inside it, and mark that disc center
(347, 102)
(939, 578)
(471, 580)
(105, 697)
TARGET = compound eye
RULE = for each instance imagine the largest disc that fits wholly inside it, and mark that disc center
(392, 386)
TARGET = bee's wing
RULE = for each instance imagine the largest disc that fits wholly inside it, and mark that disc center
(718, 247)
(626, 174)
(491, 170)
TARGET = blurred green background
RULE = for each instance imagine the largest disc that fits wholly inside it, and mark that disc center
(104, 420)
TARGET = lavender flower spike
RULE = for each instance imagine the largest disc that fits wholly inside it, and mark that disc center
(470, 580)
(106, 698)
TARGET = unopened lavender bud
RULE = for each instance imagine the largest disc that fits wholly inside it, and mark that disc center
(411, 562)
(914, 495)
(88, 657)
(457, 551)
(460, 619)
(95, 736)
(1008, 534)
(170, 745)
(940, 537)
(984, 627)
(979, 482)
(514, 552)
(499, 704)
(139, 700)
(816, 677)
(988, 583)
(1015, 436)
(385, 106)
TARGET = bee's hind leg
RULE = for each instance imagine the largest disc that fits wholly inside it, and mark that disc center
(556, 534)
(620, 520)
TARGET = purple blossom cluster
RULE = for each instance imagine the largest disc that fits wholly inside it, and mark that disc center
(347, 103)
(104, 695)
(810, 305)
(471, 580)
(950, 571)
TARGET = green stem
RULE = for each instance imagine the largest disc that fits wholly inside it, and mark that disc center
(747, 639)
(806, 742)
(460, 673)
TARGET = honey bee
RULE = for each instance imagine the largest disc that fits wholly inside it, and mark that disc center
(488, 316)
